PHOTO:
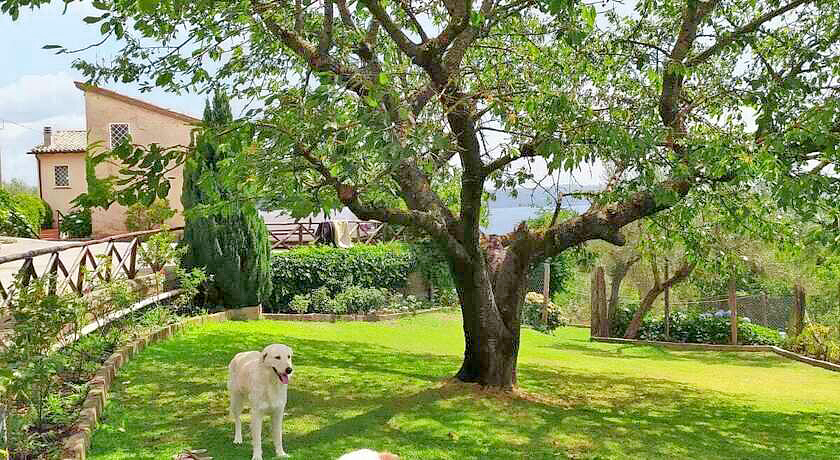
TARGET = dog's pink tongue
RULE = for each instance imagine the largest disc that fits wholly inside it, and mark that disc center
(284, 379)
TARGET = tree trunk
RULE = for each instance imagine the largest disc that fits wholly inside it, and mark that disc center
(617, 275)
(636, 324)
(491, 294)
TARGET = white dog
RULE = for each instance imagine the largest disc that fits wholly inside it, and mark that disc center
(368, 454)
(261, 379)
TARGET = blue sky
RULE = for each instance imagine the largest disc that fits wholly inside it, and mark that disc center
(36, 86)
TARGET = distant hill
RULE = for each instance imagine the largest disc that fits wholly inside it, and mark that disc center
(539, 198)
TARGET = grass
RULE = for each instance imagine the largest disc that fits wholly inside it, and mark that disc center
(385, 386)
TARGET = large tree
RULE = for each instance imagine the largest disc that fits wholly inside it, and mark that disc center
(374, 104)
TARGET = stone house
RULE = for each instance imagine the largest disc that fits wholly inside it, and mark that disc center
(110, 118)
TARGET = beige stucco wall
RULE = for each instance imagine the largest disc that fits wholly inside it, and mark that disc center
(146, 127)
(59, 197)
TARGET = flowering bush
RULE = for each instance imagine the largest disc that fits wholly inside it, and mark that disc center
(714, 328)
(536, 314)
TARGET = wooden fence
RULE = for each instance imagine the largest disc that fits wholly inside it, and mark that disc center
(289, 234)
(71, 274)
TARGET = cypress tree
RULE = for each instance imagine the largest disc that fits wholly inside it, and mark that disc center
(232, 246)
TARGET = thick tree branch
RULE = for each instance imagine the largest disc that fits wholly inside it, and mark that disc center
(605, 222)
(394, 31)
(325, 42)
(352, 78)
(658, 288)
(672, 76)
(417, 27)
(746, 29)
(527, 150)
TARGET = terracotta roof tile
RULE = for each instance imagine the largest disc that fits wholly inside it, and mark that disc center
(64, 142)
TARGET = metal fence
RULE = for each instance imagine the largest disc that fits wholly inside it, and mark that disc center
(770, 311)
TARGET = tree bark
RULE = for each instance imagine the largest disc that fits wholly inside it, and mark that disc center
(651, 296)
(491, 292)
(617, 275)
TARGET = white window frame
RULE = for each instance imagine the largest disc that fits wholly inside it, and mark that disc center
(55, 176)
(111, 131)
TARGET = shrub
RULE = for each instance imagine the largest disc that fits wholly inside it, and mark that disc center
(41, 317)
(320, 299)
(305, 269)
(300, 303)
(139, 217)
(532, 313)
(357, 299)
(446, 297)
(405, 303)
(695, 328)
(33, 209)
(816, 341)
(160, 250)
(48, 216)
(77, 224)
(14, 219)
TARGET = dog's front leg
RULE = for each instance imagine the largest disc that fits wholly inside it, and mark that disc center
(277, 429)
(256, 434)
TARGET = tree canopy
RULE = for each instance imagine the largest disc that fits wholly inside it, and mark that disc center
(375, 105)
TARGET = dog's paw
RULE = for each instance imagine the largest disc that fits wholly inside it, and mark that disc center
(282, 454)
(256, 456)
(237, 439)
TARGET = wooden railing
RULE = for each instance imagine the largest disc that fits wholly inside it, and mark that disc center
(289, 234)
(111, 263)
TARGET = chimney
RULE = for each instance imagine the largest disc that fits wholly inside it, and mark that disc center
(47, 136)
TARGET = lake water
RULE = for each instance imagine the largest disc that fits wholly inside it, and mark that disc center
(505, 220)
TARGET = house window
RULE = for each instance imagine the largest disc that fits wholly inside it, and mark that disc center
(62, 176)
(119, 133)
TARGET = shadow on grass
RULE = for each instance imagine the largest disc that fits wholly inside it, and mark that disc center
(351, 395)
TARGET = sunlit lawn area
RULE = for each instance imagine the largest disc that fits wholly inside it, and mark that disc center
(385, 386)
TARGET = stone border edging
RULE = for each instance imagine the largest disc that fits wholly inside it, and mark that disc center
(806, 359)
(332, 318)
(713, 347)
(76, 444)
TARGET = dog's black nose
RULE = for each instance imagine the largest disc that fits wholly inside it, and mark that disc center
(288, 370)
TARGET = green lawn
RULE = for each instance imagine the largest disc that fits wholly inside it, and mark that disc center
(385, 386)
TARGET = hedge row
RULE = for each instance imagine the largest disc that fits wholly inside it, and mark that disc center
(301, 270)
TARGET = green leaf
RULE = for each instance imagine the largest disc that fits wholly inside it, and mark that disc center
(384, 79)
(163, 79)
(92, 19)
(589, 14)
(147, 6)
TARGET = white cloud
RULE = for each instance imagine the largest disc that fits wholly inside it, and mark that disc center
(26, 106)
(36, 97)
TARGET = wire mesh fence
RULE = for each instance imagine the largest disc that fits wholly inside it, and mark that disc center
(770, 311)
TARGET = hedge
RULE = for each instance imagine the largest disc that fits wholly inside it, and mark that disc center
(301, 270)
(21, 214)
